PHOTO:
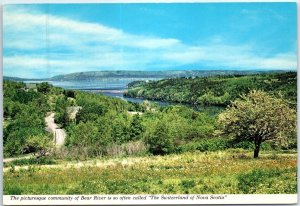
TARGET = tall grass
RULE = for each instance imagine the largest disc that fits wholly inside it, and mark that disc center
(131, 148)
(187, 173)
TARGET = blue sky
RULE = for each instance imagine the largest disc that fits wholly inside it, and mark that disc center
(46, 40)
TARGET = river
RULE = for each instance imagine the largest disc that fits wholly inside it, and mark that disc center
(115, 87)
(112, 87)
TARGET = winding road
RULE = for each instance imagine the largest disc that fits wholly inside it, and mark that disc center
(59, 135)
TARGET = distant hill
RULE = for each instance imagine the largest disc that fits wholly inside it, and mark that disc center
(94, 75)
(97, 75)
(21, 79)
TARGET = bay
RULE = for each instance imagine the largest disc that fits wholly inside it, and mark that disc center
(115, 87)
(112, 87)
(103, 84)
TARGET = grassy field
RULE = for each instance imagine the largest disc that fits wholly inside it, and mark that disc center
(226, 172)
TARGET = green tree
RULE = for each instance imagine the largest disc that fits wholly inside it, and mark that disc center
(61, 115)
(39, 144)
(259, 117)
(85, 134)
(44, 87)
(136, 128)
(29, 122)
(85, 138)
(90, 111)
(160, 141)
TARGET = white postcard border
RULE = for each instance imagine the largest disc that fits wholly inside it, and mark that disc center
(278, 199)
(162, 199)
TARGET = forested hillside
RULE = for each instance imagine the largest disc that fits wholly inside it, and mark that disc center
(219, 90)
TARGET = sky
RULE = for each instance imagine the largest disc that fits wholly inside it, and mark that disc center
(44, 40)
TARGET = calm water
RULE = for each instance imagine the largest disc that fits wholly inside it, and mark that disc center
(113, 87)
(103, 84)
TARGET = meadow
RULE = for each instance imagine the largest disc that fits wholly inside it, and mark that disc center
(232, 171)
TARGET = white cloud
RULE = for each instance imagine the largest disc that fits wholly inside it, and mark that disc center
(66, 45)
(43, 25)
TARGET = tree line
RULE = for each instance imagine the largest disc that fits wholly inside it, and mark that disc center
(218, 90)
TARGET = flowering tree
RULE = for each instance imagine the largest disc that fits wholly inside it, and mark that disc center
(259, 117)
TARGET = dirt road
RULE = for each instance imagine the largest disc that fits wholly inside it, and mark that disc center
(59, 135)
(124, 162)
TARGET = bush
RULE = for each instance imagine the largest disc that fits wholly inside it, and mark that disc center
(160, 141)
(203, 145)
(266, 146)
(28, 123)
(40, 144)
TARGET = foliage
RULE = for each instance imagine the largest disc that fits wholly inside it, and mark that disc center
(107, 122)
(136, 128)
(259, 117)
(160, 140)
(24, 112)
(175, 126)
(206, 144)
(84, 136)
(61, 115)
(70, 93)
(217, 90)
(44, 87)
(219, 164)
(38, 144)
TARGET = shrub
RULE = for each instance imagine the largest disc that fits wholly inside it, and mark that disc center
(203, 145)
(160, 141)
